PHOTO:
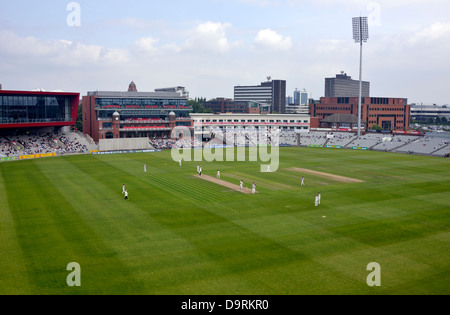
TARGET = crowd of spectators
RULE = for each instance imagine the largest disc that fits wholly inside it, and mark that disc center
(71, 145)
(34, 144)
(7, 148)
(288, 138)
(162, 144)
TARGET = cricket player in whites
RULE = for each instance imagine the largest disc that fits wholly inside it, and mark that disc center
(218, 174)
(253, 188)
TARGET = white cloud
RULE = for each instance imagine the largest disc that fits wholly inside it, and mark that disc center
(438, 32)
(146, 45)
(268, 38)
(62, 52)
(210, 36)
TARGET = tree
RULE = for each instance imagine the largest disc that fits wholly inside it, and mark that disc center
(198, 105)
(79, 124)
(377, 128)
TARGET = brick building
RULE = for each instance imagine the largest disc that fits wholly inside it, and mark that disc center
(390, 113)
(133, 114)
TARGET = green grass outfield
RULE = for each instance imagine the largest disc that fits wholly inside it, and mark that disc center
(181, 235)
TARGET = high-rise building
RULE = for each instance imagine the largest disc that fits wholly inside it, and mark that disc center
(289, 100)
(271, 92)
(343, 86)
(301, 97)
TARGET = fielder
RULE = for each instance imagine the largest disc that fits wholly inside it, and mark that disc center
(123, 188)
(218, 174)
(241, 185)
(126, 195)
(303, 181)
(253, 188)
(145, 168)
(317, 200)
(319, 196)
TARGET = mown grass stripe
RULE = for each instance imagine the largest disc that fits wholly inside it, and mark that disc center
(13, 269)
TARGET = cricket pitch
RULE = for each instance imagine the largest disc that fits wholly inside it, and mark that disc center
(327, 175)
(225, 184)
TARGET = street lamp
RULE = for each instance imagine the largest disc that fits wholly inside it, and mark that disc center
(360, 35)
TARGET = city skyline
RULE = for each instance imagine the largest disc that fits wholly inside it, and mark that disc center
(211, 46)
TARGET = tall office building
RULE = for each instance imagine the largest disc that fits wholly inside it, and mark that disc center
(271, 92)
(343, 86)
(301, 97)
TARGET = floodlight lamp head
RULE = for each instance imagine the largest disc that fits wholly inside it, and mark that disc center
(360, 29)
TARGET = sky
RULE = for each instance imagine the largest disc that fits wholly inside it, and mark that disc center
(211, 46)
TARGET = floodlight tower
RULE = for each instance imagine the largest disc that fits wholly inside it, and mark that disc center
(360, 35)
